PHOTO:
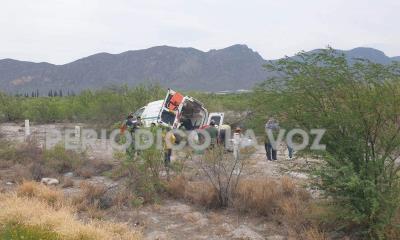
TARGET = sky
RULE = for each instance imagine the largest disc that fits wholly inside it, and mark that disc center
(61, 31)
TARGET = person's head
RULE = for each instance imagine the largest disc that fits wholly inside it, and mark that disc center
(212, 123)
(152, 125)
(238, 130)
(130, 116)
(138, 118)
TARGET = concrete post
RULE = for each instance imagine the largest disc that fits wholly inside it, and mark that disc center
(27, 128)
(77, 132)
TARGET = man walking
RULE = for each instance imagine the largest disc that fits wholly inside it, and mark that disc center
(271, 129)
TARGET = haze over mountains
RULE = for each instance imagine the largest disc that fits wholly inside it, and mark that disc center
(232, 68)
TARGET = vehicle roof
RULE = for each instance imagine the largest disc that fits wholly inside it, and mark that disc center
(158, 102)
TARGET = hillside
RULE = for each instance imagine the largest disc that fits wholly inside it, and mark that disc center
(232, 68)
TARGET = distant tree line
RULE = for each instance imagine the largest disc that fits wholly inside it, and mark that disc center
(51, 93)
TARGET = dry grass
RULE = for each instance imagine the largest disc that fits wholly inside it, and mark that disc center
(85, 172)
(314, 233)
(92, 192)
(91, 200)
(288, 185)
(260, 196)
(176, 187)
(38, 191)
(269, 197)
(123, 198)
(35, 213)
(199, 192)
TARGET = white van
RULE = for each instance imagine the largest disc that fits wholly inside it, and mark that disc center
(149, 113)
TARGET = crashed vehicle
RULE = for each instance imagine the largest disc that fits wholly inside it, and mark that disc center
(176, 111)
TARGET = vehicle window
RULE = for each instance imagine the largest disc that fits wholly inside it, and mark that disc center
(138, 112)
(217, 119)
(167, 117)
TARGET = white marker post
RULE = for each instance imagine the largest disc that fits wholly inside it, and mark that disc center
(77, 132)
(27, 128)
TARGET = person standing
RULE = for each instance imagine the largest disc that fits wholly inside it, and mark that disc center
(271, 127)
(213, 132)
(169, 141)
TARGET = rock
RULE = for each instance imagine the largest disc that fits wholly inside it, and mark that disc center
(276, 237)
(156, 235)
(50, 181)
(245, 233)
(9, 183)
(69, 174)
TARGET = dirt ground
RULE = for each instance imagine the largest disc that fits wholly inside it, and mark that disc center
(174, 219)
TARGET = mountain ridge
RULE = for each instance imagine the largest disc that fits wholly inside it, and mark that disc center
(231, 68)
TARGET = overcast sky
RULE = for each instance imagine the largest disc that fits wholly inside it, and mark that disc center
(60, 31)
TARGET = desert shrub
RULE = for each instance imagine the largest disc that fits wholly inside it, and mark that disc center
(92, 199)
(359, 106)
(223, 173)
(63, 160)
(22, 153)
(29, 161)
(8, 152)
(143, 173)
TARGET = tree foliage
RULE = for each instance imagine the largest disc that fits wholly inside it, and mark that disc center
(102, 106)
(359, 106)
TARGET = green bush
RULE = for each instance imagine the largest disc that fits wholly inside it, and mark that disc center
(19, 232)
(359, 106)
(62, 160)
(102, 106)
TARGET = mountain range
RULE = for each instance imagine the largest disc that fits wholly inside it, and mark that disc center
(232, 68)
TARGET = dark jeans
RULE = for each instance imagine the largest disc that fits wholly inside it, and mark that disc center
(290, 150)
(271, 153)
(167, 157)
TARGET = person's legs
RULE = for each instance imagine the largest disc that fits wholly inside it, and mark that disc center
(268, 149)
(290, 151)
(167, 161)
(167, 157)
(273, 154)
